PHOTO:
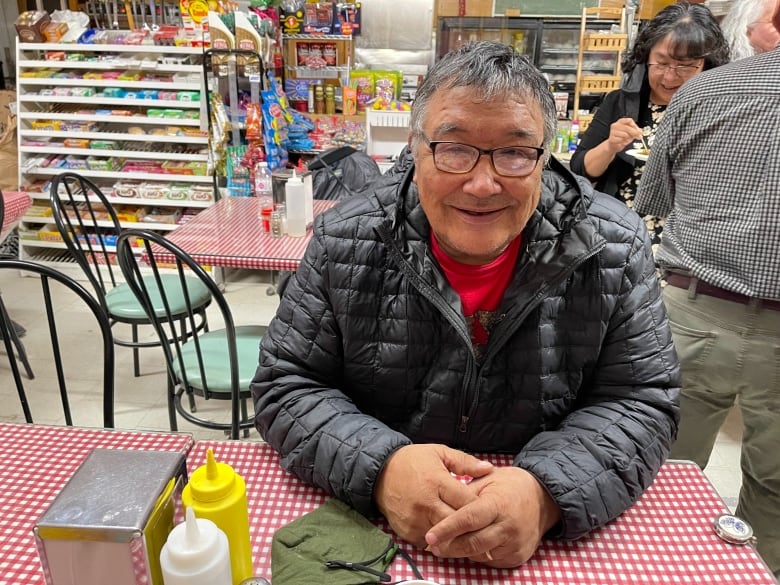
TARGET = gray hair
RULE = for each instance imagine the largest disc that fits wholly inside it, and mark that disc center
(494, 71)
(742, 14)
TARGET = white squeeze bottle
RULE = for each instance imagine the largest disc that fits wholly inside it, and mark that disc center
(196, 553)
(295, 199)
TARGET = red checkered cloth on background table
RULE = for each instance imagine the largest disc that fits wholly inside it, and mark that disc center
(666, 537)
(36, 463)
(16, 203)
(229, 235)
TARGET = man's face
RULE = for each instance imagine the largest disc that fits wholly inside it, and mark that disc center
(475, 215)
(762, 34)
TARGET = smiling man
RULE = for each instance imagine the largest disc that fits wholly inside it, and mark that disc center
(485, 300)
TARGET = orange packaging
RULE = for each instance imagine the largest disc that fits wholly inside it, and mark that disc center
(349, 100)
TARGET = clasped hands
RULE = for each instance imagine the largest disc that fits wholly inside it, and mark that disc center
(498, 518)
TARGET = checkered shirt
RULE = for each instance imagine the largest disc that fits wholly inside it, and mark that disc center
(714, 173)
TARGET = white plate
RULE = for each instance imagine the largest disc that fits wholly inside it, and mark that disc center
(637, 155)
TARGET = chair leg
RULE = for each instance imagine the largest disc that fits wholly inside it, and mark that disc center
(136, 366)
(14, 338)
(244, 415)
(172, 405)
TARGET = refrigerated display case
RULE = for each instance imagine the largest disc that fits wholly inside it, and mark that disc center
(521, 33)
(551, 44)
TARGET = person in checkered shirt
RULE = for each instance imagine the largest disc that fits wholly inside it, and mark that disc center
(715, 174)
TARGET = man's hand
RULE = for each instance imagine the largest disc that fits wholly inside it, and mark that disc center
(503, 526)
(416, 488)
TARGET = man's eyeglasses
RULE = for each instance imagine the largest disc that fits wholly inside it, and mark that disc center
(683, 71)
(508, 161)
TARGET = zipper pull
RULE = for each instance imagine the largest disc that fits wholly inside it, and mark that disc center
(464, 420)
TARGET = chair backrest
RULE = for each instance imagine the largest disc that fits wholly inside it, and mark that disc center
(89, 227)
(65, 349)
(140, 277)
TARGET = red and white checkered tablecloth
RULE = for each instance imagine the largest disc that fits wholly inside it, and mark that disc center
(36, 463)
(16, 203)
(229, 235)
(665, 538)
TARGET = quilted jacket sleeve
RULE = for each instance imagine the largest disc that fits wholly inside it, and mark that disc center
(604, 454)
(298, 413)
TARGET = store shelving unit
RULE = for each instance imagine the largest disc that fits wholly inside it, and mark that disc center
(147, 154)
(340, 54)
(612, 44)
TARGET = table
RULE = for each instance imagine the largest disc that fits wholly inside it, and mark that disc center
(37, 461)
(666, 537)
(16, 203)
(229, 235)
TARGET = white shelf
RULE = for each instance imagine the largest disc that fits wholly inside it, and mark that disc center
(132, 120)
(101, 48)
(82, 111)
(135, 64)
(107, 224)
(142, 154)
(97, 100)
(164, 177)
(387, 132)
(139, 201)
(116, 136)
(71, 82)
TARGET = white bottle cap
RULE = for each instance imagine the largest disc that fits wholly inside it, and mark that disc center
(196, 553)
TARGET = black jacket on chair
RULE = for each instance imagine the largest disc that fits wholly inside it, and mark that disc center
(370, 351)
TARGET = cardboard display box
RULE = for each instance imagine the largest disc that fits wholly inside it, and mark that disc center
(464, 7)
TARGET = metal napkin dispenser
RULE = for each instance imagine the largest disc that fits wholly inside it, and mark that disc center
(110, 521)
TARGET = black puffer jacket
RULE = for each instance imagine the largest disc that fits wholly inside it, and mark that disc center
(369, 351)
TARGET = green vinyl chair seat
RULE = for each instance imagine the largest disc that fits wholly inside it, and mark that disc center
(123, 305)
(216, 361)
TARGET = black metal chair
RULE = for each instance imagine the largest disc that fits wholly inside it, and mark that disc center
(218, 364)
(60, 338)
(89, 226)
(13, 333)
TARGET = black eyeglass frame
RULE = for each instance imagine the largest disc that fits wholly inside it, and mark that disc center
(432, 144)
(681, 71)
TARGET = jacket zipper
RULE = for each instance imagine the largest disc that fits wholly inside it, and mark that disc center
(538, 297)
(467, 406)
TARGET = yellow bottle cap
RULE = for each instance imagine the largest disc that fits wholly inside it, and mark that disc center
(213, 481)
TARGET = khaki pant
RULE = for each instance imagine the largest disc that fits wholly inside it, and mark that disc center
(729, 351)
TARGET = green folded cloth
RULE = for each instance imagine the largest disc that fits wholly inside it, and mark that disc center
(332, 544)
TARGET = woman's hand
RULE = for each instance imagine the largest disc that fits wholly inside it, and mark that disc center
(622, 133)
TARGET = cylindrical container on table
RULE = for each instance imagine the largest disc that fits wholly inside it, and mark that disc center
(196, 553)
(295, 198)
(216, 492)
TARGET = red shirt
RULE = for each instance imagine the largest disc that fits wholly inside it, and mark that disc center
(480, 288)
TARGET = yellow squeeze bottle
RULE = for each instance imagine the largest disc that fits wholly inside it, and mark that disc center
(216, 492)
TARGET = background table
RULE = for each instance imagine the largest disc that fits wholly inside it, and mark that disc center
(666, 537)
(36, 463)
(229, 235)
(16, 203)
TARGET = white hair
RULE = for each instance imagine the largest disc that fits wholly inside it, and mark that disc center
(742, 14)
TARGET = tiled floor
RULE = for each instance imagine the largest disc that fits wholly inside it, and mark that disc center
(140, 402)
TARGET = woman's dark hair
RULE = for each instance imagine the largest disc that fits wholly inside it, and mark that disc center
(694, 34)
